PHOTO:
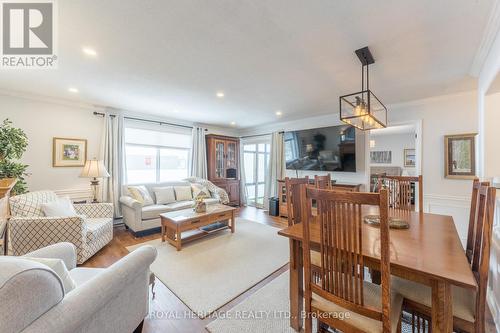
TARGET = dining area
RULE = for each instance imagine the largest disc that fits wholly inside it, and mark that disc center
(376, 262)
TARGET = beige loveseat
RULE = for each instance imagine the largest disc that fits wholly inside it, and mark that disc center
(143, 220)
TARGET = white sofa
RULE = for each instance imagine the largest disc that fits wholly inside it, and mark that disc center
(143, 220)
(114, 299)
(30, 230)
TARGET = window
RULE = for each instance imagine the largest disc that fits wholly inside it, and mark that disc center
(256, 163)
(156, 155)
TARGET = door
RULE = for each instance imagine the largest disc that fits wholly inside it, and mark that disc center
(233, 191)
(256, 164)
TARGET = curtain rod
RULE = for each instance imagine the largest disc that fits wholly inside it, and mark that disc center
(147, 120)
(255, 135)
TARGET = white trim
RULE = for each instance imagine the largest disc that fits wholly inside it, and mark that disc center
(76, 193)
(489, 35)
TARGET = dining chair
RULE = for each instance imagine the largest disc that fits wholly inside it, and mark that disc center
(473, 215)
(292, 186)
(400, 191)
(468, 306)
(323, 182)
(342, 288)
(292, 191)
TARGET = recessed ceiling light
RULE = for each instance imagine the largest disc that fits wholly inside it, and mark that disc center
(279, 113)
(233, 123)
(73, 90)
(220, 94)
(89, 51)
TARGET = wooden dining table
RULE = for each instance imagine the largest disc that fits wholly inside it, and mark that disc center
(428, 252)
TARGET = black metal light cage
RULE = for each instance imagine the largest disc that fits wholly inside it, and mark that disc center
(363, 109)
(374, 117)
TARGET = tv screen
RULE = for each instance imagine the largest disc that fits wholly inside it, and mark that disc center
(321, 149)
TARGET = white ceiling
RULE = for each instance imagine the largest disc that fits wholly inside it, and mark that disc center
(291, 55)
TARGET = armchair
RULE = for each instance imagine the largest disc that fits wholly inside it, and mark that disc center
(29, 230)
(114, 299)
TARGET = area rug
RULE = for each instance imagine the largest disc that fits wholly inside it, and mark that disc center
(268, 310)
(210, 272)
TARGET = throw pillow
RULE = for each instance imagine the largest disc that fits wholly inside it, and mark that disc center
(200, 190)
(183, 193)
(141, 194)
(164, 195)
(58, 266)
(59, 207)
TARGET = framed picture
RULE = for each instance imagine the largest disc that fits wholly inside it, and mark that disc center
(381, 157)
(409, 155)
(69, 152)
(460, 156)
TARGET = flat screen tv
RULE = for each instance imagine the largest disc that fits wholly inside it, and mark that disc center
(321, 149)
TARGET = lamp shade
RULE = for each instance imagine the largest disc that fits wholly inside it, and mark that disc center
(94, 169)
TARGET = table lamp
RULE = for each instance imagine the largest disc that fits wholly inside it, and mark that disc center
(94, 169)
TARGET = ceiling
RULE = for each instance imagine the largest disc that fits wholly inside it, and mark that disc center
(170, 58)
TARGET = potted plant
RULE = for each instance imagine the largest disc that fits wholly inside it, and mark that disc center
(13, 143)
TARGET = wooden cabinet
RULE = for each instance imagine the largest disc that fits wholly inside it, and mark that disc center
(223, 164)
(282, 198)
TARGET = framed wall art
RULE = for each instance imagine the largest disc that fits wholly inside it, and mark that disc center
(409, 158)
(69, 152)
(460, 156)
(381, 157)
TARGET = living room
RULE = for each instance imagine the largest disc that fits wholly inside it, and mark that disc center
(149, 150)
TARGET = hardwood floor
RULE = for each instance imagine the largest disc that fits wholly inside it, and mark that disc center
(167, 312)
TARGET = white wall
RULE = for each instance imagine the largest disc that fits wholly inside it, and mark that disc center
(42, 121)
(396, 143)
(492, 136)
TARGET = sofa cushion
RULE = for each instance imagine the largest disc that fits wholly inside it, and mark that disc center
(59, 267)
(60, 207)
(83, 274)
(183, 193)
(211, 201)
(164, 195)
(154, 211)
(29, 204)
(179, 205)
(199, 189)
(141, 194)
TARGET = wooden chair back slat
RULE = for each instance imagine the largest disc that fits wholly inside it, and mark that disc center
(341, 234)
(480, 261)
(400, 193)
(323, 182)
(473, 215)
(292, 191)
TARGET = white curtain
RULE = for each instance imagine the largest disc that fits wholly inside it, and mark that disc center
(112, 152)
(276, 167)
(243, 188)
(198, 161)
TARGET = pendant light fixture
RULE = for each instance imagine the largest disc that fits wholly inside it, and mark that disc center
(363, 109)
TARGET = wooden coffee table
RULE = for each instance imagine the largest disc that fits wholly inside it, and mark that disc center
(185, 225)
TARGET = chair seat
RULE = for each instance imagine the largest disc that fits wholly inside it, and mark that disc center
(464, 300)
(373, 297)
(83, 274)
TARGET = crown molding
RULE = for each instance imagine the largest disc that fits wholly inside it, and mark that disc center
(489, 35)
(52, 100)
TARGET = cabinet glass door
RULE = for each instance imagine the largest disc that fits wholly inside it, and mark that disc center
(219, 159)
(231, 154)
